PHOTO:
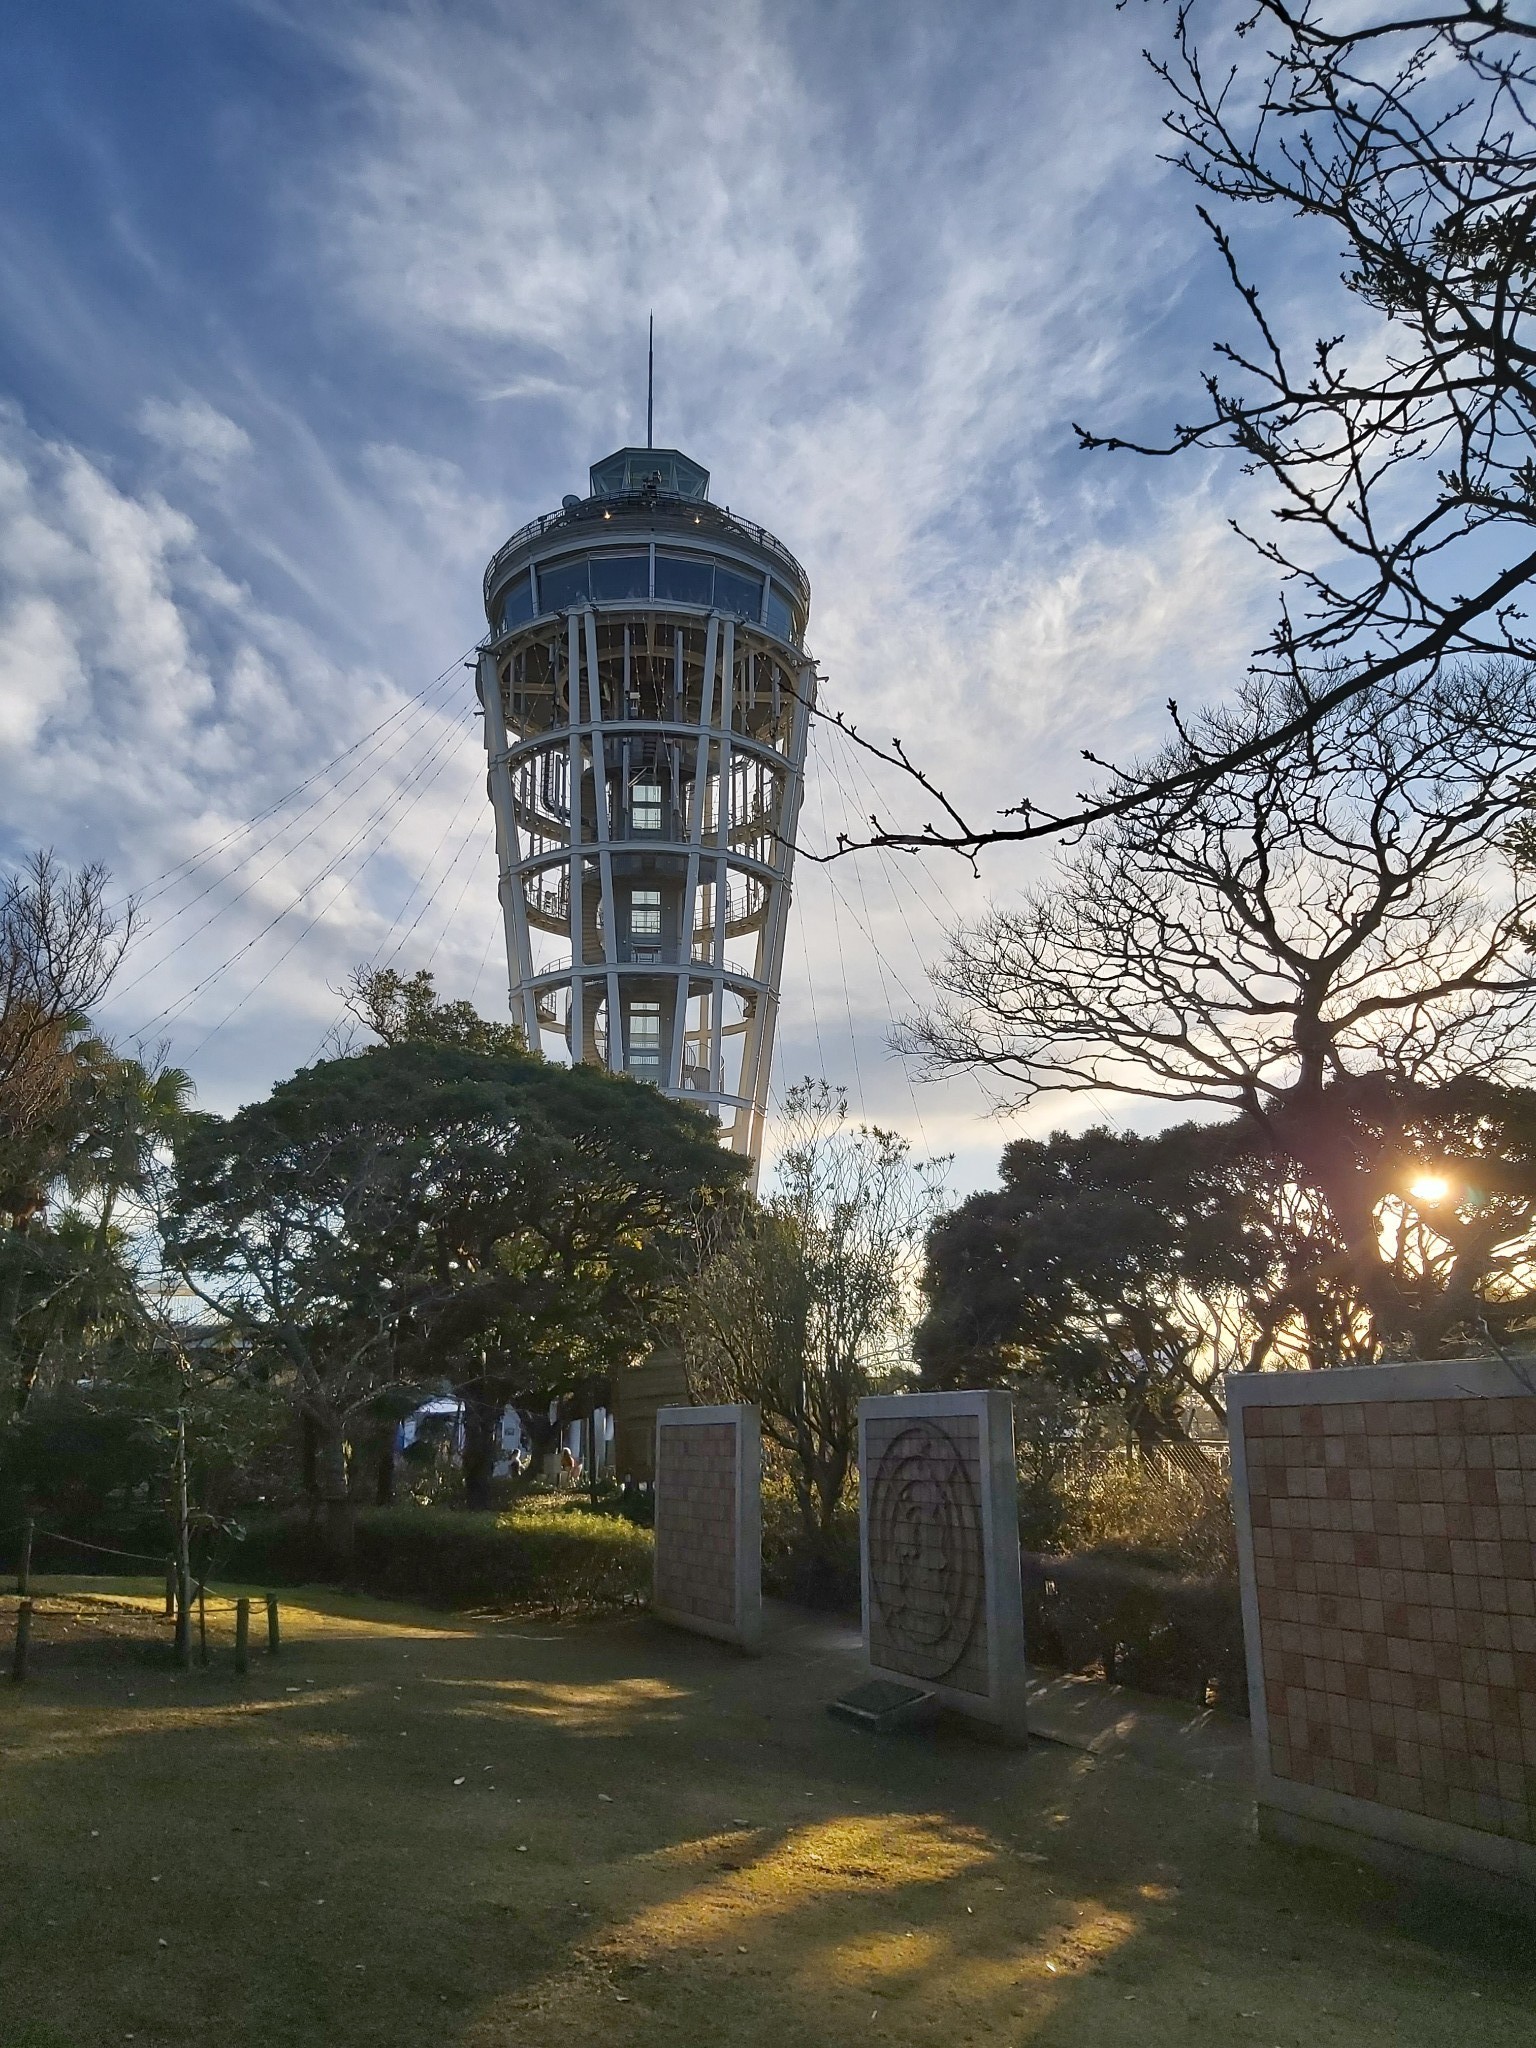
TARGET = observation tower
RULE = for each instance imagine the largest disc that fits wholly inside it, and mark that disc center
(647, 701)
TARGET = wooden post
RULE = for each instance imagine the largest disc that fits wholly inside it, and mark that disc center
(170, 1589)
(23, 1640)
(202, 1622)
(242, 1637)
(183, 1551)
(274, 1630)
(24, 1568)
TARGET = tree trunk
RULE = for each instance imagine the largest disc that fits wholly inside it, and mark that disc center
(1315, 1134)
(338, 1511)
(542, 1436)
(802, 1460)
(309, 1455)
(482, 1413)
(384, 1487)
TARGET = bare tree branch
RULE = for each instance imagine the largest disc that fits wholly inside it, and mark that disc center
(1400, 455)
(1360, 906)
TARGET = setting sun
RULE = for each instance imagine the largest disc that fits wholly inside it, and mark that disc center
(1430, 1187)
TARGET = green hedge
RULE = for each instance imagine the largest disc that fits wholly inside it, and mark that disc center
(542, 1556)
(1132, 1624)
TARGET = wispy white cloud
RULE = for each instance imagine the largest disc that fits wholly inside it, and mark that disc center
(196, 433)
(150, 706)
(880, 308)
(520, 174)
(892, 256)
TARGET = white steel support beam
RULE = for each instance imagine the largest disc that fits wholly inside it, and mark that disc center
(576, 1015)
(616, 1046)
(695, 841)
(757, 1059)
(722, 862)
(509, 885)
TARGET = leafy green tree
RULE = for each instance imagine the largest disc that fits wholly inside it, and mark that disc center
(69, 1260)
(72, 1456)
(1121, 1273)
(60, 944)
(66, 1302)
(803, 1305)
(421, 1211)
(404, 1009)
(1128, 1275)
(78, 1123)
(125, 1117)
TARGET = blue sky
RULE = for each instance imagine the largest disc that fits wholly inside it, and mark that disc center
(303, 308)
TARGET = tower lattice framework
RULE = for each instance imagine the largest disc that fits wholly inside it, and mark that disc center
(647, 701)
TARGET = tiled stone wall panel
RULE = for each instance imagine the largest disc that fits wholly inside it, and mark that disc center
(1395, 1581)
(696, 1532)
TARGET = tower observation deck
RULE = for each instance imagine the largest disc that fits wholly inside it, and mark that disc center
(647, 703)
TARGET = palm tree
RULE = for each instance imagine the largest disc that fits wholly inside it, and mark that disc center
(127, 1113)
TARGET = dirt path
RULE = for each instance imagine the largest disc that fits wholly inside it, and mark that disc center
(417, 1830)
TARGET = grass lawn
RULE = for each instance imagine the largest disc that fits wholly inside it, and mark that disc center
(418, 1829)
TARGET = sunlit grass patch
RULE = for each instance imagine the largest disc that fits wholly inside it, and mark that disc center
(488, 1835)
(610, 1708)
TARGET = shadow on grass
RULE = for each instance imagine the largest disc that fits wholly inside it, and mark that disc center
(416, 1829)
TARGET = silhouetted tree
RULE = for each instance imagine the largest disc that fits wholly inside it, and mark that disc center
(1337, 915)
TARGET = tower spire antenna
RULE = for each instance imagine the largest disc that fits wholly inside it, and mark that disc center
(650, 385)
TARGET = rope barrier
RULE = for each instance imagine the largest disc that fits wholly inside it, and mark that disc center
(178, 1604)
(106, 1549)
(78, 1543)
(156, 1558)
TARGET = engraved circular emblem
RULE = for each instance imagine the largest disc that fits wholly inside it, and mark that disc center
(925, 1550)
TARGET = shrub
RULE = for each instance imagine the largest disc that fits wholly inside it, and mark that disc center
(124, 1543)
(550, 1554)
(1154, 1512)
(1133, 1624)
(68, 1460)
(794, 1568)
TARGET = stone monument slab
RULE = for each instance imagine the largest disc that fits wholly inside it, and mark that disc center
(939, 1545)
(709, 1542)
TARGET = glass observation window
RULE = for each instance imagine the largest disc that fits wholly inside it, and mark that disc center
(625, 578)
(645, 806)
(645, 913)
(620, 576)
(737, 593)
(645, 1037)
(779, 618)
(517, 603)
(685, 579)
(562, 584)
(632, 469)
